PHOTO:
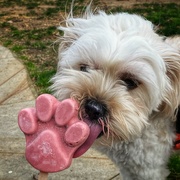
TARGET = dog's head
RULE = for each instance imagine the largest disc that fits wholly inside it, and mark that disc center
(122, 73)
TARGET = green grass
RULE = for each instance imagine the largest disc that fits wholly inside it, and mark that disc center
(34, 45)
(165, 16)
(174, 167)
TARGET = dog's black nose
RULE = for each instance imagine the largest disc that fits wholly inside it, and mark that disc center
(95, 109)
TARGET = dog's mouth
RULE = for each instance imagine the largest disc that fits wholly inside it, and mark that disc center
(94, 113)
(95, 132)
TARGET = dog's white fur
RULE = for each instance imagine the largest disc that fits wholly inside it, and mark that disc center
(141, 120)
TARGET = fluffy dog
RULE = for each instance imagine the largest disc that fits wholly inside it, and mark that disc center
(127, 80)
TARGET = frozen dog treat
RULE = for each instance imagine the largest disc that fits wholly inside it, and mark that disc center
(53, 133)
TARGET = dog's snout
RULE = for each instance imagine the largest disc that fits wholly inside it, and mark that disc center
(95, 109)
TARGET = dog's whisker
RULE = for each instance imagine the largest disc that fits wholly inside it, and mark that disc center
(108, 131)
(101, 122)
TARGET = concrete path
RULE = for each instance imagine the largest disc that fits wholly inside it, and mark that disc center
(17, 92)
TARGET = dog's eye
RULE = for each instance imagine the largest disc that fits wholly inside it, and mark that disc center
(131, 83)
(84, 68)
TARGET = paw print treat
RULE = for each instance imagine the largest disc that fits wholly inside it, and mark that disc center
(53, 133)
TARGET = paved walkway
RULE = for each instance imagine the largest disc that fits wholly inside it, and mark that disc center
(17, 92)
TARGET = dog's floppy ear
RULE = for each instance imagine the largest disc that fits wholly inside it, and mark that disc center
(72, 31)
(74, 28)
(69, 36)
(171, 57)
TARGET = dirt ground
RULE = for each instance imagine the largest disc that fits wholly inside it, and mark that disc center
(19, 16)
(130, 3)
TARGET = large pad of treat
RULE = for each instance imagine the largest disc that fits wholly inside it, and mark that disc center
(53, 133)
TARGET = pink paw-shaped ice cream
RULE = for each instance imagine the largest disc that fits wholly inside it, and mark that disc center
(53, 133)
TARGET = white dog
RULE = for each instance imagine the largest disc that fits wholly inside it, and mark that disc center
(127, 81)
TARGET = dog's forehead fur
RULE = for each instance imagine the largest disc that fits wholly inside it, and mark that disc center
(120, 42)
(103, 40)
(113, 37)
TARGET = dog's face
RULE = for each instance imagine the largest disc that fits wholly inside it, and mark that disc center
(119, 70)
